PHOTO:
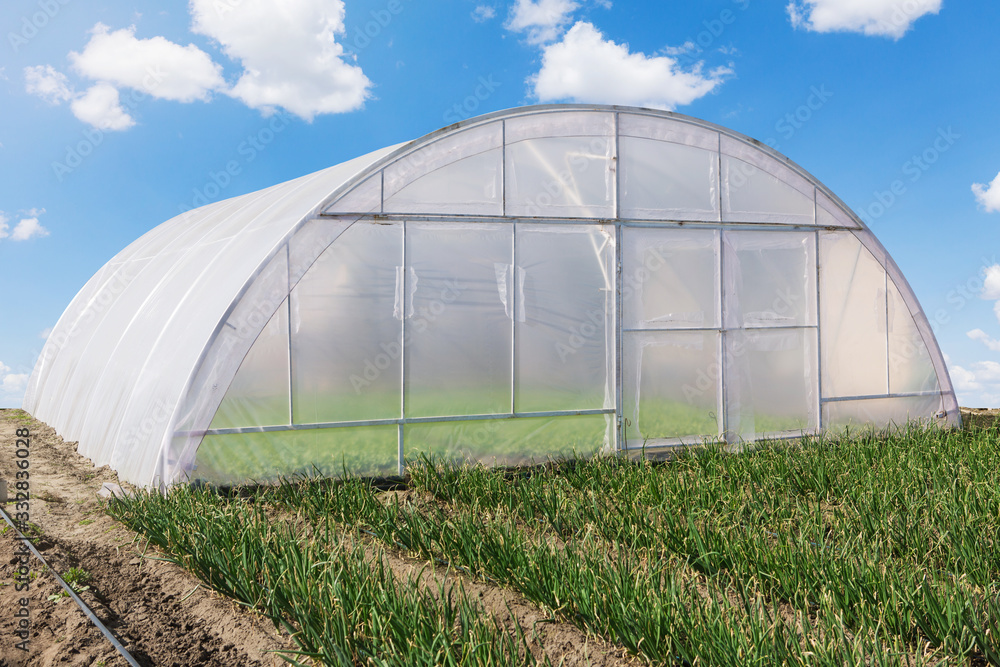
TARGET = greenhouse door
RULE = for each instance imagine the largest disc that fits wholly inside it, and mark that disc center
(719, 335)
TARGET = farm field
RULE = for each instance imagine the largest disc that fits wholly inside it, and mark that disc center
(864, 550)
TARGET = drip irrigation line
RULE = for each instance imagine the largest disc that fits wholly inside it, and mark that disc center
(76, 598)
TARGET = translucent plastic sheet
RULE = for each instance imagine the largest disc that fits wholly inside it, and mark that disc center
(458, 337)
(881, 413)
(770, 279)
(366, 197)
(468, 186)
(829, 214)
(753, 195)
(565, 341)
(852, 318)
(671, 386)
(263, 457)
(459, 174)
(568, 124)
(665, 129)
(771, 380)
(665, 181)
(670, 279)
(258, 395)
(346, 343)
(910, 367)
(561, 177)
(506, 441)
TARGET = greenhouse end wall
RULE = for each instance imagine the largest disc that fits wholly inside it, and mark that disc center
(544, 282)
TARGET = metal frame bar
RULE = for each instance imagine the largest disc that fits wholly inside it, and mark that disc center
(279, 428)
(630, 222)
(872, 397)
(288, 312)
(400, 436)
(619, 338)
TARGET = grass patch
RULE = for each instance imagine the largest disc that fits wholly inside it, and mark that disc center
(875, 549)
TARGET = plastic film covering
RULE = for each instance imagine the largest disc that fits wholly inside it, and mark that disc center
(347, 331)
(770, 279)
(910, 367)
(459, 174)
(853, 318)
(673, 390)
(669, 170)
(565, 338)
(519, 441)
(264, 457)
(829, 214)
(458, 337)
(882, 413)
(561, 169)
(670, 280)
(771, 380)
(258, 394)
(756, 187)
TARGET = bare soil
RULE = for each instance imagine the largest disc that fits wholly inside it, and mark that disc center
(158, 611)
(161, 613)
(980, 417)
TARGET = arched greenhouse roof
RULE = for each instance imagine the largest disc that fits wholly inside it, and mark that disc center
(507, 288)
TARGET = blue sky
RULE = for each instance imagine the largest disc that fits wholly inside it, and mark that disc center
(118, 115)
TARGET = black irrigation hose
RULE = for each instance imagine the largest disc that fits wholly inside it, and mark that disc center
(76, 598)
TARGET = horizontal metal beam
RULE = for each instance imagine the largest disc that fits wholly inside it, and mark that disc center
(628, 222)
(871, 397)
(280, 428)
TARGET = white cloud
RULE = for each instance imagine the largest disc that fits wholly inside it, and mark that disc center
(543, 20)
(885, 18)
(584, 67)
(101, 107)
(45, 333)
(978, 385)
(991, 283)
(28, 228)
(988, 196)
(49, 84)
(12, 385)
(296, 63)
(483, 13)
(985, 339)
(156, 66)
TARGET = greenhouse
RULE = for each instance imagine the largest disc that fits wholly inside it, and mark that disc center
(533, 283)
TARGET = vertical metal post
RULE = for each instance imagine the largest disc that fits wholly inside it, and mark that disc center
(722, 395)
(888, 366)
(288, 313)
(621, 442)
(512, 300)
(403, 344)
(819, 340)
